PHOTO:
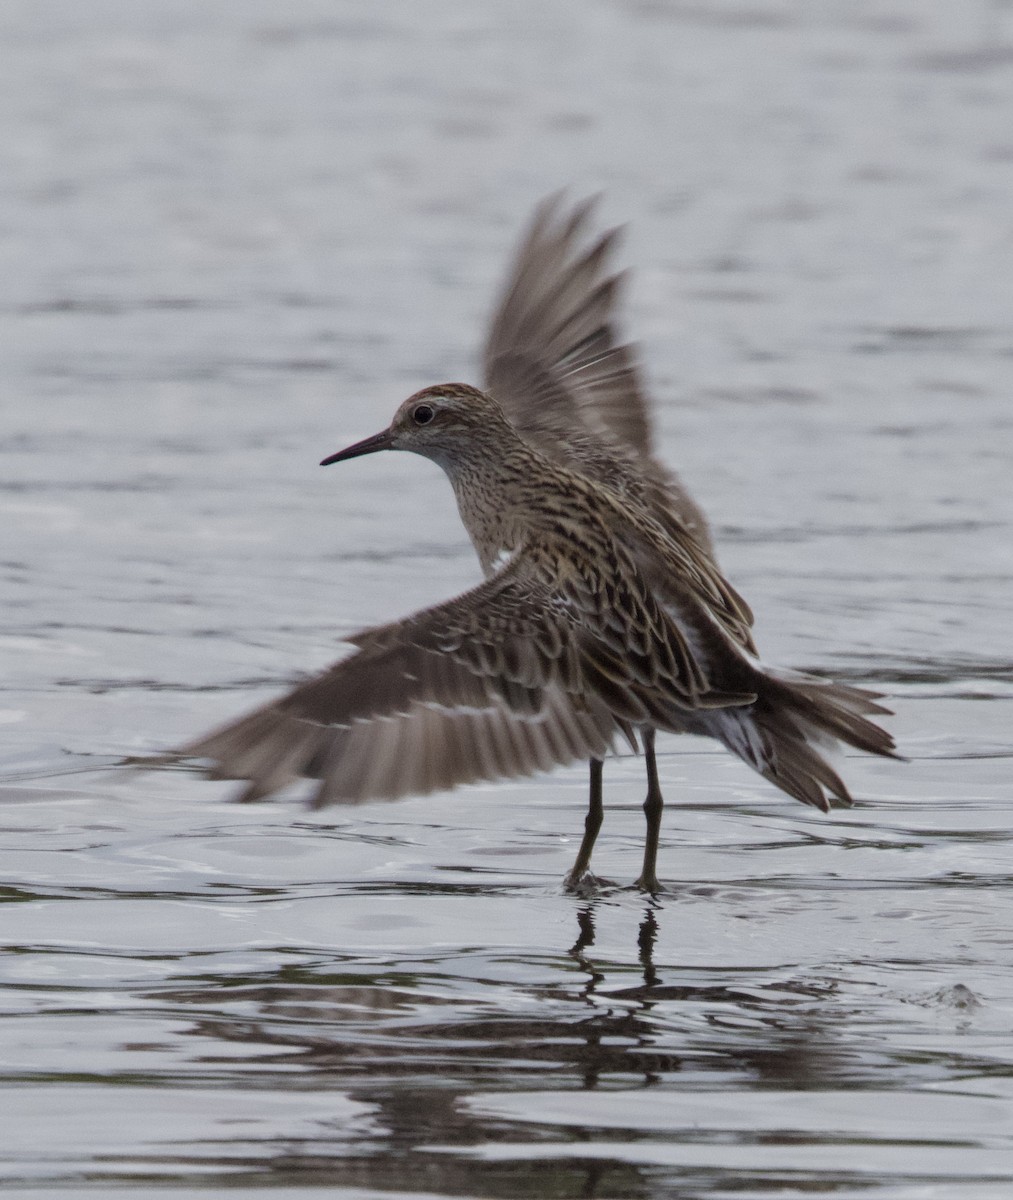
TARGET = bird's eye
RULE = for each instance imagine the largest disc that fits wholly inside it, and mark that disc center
(423, 414)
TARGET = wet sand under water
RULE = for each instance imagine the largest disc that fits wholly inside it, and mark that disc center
(233, 241)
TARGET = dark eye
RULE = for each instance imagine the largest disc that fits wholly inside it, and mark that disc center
(423, 414)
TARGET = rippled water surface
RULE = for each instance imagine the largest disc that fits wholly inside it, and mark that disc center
(232, 238)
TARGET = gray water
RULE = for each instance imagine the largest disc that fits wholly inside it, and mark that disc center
(232, 238)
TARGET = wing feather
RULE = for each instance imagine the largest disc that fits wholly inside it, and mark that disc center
(461, 692)
(554, 328)
(507, 679)
(557, 364)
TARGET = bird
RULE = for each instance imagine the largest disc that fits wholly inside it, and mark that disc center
(602, 618)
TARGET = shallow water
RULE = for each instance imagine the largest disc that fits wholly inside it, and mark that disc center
(233, 238)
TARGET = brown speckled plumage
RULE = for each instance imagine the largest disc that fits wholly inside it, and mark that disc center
(603, 612)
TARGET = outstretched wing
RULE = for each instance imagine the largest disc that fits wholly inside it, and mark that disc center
(486, 686)
(512, 677)
(556, 363)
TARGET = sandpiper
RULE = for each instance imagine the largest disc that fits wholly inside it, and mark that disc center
(603, 613)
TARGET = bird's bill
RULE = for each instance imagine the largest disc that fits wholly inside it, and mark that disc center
(370, 445)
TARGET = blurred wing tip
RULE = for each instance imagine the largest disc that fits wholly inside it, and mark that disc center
(573, 215)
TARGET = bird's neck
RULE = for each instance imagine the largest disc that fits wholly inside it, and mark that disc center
(499, 494)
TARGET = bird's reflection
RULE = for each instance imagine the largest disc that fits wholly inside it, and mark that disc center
(646, 939)
(647, 936)
(585, 931)
(411, 1041)
(795, 1050)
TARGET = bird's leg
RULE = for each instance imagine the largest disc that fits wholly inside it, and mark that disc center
(653, 805)
(592, 823)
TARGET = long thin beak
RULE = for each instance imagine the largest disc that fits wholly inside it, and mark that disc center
(370, 445)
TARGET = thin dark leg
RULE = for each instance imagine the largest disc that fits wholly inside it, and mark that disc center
(592, 823)
(653, 806)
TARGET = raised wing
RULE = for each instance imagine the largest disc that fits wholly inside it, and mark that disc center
(552, 357)
(556, 363)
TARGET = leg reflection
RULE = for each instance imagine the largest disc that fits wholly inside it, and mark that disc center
(646, 938)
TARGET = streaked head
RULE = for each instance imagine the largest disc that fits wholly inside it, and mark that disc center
(441, 423)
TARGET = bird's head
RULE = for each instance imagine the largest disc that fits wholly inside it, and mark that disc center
(443, 423)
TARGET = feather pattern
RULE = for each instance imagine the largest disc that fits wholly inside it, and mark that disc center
(556, 363)
(603, 613)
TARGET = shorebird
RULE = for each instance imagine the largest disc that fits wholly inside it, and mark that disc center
(603, 614)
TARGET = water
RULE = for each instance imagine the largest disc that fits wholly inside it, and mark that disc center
(232, 238)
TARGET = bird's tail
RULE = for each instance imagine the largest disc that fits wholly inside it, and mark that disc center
(794, 720)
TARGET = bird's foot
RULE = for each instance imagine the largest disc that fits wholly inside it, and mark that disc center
(585, 884)
(650, 885)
